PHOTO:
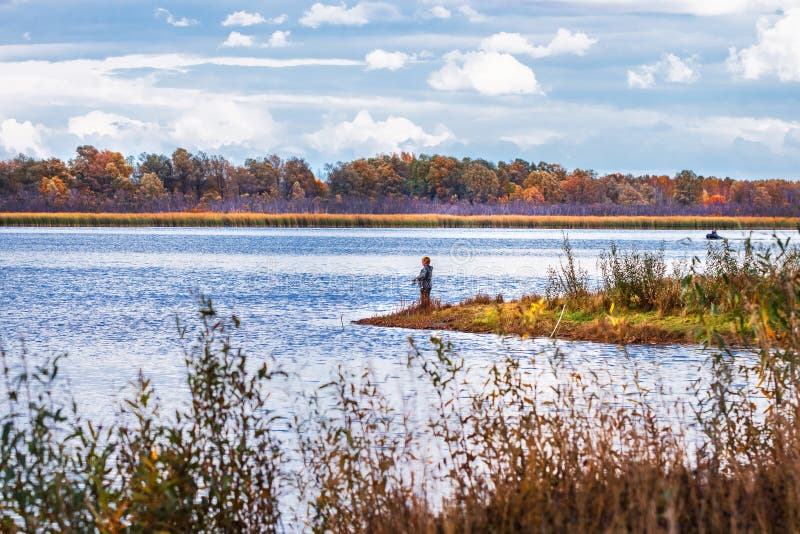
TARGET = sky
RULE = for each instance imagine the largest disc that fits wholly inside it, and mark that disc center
(651, 86)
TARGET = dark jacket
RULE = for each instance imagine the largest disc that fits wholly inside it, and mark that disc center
(424, 278)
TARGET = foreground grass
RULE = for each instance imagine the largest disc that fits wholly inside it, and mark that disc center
(302, 220)
(529, 318)
(540, 442)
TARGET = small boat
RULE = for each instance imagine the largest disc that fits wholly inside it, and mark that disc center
(714, 235)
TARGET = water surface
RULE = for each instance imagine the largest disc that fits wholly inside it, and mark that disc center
(109, 298)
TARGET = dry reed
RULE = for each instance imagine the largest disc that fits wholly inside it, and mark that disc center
(325, 220)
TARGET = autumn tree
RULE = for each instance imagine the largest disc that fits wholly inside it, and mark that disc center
(515, 172)
(581, 187)
(391, 183)
(529, 194)
(443, 178)
(102, 172)
(547, 184)
(663, 188)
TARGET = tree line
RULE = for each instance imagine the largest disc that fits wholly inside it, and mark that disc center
(105, 180)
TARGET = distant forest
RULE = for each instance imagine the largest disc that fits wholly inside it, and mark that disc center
(106, 181)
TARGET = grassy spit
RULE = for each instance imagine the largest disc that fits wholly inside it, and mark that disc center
(530, 317)
(302, 220)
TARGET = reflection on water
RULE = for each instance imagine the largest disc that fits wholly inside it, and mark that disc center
(109, 298)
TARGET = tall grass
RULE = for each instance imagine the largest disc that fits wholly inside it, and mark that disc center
(212, 219)
(540, 444)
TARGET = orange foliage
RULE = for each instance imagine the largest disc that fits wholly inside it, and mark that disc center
(714, 200)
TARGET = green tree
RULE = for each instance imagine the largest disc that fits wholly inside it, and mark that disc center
(688, 188)
(297, 170)
(157, 164)
(187, 175)
(342, 179)
(480, 183)
(151, 187)
(264, 178)
(297, 192)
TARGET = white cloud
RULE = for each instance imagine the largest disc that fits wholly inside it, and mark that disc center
(182, 22)
(279, 39)
(677, 70)
(493, 69)
(564, 42)
(365, 135)
(472, 14)
(489, 73)
(567, 42)
(777, 51)
(244, 18)
(671, 68)
(100, 123)
(26, 36)
(770, 132)
(217, 122)
(101, 127)
(440, 12)
(507, 43)
(533, 138)
(236, 39)
(644, 78)
(381, 59)
(22, 137)
(122, 100)
(339, 14)
(694, 7)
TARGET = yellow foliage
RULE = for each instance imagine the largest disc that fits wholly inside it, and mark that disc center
(54, 189)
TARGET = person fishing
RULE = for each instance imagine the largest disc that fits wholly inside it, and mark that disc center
(424, 283)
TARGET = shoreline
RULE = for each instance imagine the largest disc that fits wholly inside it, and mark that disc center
(326, 220)
(516, 318)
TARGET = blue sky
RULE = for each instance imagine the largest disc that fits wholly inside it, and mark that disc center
(638, 86)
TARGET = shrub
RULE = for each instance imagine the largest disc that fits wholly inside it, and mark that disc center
(639, 280)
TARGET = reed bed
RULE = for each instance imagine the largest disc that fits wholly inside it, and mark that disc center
(326, 220)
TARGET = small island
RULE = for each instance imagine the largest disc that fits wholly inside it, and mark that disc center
(640, 299)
